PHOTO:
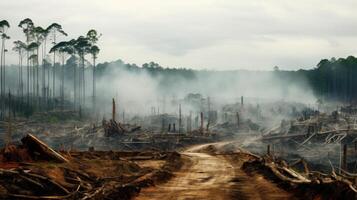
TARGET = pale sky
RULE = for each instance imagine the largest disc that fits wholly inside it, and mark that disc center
(201, 34)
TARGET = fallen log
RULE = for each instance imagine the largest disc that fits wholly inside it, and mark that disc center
(39, 149)
(296, 178)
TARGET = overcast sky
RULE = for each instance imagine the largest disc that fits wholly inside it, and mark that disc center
(202, 34)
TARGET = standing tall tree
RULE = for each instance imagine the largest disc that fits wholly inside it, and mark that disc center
(27, 27)
(4, 25)
(93, 37)
(72, 51)
(45, 34)
(63, 49)
(94, 51)
(67, 50)
(32, 49)
(55, 29)
(20, 47)
(38, 33)
(4, 37)
(82, 45)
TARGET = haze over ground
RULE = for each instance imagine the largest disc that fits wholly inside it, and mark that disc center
(202, 34)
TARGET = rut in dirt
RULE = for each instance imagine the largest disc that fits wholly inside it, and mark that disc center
(205, 176)
(202, 177)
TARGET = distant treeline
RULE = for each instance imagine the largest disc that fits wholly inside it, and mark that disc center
(154, 69)
(335, 79)
(165, 76)
(330, 80)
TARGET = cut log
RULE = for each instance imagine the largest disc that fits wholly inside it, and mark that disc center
(38, 148)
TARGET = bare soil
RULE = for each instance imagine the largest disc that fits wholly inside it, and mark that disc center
(211, 176)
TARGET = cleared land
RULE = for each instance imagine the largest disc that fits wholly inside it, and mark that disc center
(205, 176)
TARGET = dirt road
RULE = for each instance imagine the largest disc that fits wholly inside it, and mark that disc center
(204, 176)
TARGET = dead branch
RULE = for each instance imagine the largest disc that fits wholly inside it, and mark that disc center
(21, 196)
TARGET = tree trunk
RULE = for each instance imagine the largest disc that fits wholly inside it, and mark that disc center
(37, 66)
(20, 75)
(62, 84)
(54, 75)
(113, 110)
(48, 84)
(74, 86)
(28, 78)
(3, 73)
(33, 77)
(79, 84)
(43, 80)
(84, 83)
(1, 70)
(1, 81)
(94, 86)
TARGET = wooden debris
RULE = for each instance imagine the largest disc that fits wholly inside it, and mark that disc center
(288, 176)
(135, 129)
(38, 148)
(113, 110)
(37, 186)
(113, 128)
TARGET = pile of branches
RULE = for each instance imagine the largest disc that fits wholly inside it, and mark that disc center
(23, 178)
(62, 176)
(310, 183)
(22, 184)
(112, 128)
